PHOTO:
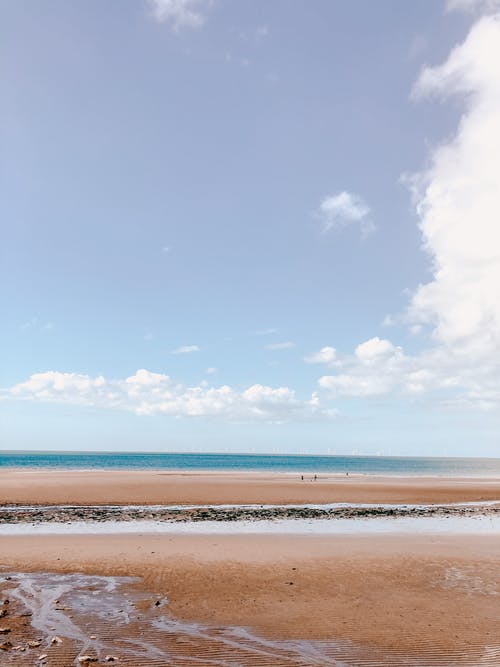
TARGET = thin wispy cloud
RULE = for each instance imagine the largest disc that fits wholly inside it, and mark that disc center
(473, 6)
(264, 332)
(211, 370)
(327, 355)
(186, 349)
(180, 14)
(261, 32)
(36, 325)
(286, 345)
(338, 211)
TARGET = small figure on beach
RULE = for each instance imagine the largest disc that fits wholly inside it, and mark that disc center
(302, 477)
(315, 477)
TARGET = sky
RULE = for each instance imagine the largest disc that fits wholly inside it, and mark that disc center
(267, 226)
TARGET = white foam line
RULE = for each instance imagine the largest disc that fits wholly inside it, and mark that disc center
(436, 524)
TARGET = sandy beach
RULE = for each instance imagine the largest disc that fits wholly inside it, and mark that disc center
(424, 599)
(29, 487)
(268, 598)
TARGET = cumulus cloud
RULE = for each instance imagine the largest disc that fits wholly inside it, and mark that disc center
(180, 14)
(457, 200)
(285, 345)
(148, 393)
(327, 355)
(375, 368)
(342, 209)
(186, 349)
(379, 367)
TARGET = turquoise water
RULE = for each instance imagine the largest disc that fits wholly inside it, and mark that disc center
(386, 465)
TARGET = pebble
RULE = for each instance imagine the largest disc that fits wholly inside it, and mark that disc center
(56, 640)
(33, 643)
(5, 646)
(4, 631)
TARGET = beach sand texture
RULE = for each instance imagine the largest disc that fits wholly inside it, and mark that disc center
(160, 487)
(264, 600)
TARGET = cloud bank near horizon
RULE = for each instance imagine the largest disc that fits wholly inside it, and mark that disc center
(147, 393)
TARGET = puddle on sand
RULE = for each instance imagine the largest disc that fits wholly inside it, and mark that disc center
(109, 616)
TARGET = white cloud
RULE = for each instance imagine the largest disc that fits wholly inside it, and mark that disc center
(338, 211)
(180, 13)
(389, 321)
(374, 350)
(147, 393)
(378, 367)
(286, 345)
(211, 370)
(458, 202)
(186, 349)
(327, 355)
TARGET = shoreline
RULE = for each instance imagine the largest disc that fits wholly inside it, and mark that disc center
(257, 472)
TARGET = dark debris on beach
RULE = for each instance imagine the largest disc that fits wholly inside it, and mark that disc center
(67, 514)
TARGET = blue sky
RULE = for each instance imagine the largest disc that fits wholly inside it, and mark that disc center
(265, 226)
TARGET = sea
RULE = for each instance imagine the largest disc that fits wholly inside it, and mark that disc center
(367, 465)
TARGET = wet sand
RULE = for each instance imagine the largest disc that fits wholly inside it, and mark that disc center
(392, 600)
(101, 487)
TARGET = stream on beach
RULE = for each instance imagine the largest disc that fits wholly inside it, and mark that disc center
(61, 620)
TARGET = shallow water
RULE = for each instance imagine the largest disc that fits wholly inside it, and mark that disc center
(110, 616)
(470, 525)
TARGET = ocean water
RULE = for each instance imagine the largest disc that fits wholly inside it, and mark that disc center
(369, 465)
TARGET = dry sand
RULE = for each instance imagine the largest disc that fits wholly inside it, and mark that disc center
(159, 487)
